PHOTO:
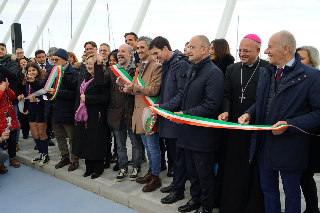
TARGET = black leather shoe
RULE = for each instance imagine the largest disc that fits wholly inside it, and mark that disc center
(163, 168)
(51, 143)
(172, 198)
(86, 174)
(167, 189)
(170, 172)
(190, 206)
(94, 175)
(202, 210)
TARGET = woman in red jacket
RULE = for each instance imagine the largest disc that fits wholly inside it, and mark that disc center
(7, 116)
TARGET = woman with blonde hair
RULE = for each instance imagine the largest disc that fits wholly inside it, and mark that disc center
(90, 116)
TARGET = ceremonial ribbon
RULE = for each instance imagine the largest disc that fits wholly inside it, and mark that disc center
(56, 74)
(148, 99)
(119, 72)
(207, 122)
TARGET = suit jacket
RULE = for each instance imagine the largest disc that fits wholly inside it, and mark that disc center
(151, 76)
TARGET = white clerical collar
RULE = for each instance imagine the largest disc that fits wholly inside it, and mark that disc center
(144, 62)
(289, 64)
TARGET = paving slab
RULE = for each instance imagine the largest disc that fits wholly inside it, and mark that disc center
(127, 193)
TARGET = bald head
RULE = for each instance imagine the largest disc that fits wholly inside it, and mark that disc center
(203, 41)
(125, 53)
(285, 38)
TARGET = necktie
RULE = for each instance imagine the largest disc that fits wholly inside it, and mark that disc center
(142, 68)
(278, 76)
(42, 66)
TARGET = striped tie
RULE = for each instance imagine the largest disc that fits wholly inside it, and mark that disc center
(278, 76)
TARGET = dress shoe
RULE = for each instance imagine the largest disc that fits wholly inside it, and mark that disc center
(153, 184)
(35, 147)
(63, 162)
(25, 136)
(3, 169)
(95, 175)
(190, 206)
(116, 167)
(172, 198)
(17, 147)
(73, 166)
(107, 162)
(167, 189)
(170, 172)
(14, 163)
(163, 167)
(86, 174)
(202, 210)
(51, 143)
(145, 179)
(114, 158)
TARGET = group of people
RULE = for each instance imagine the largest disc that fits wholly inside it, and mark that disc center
(105, 95)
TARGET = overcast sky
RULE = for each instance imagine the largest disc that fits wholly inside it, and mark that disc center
(177, 20)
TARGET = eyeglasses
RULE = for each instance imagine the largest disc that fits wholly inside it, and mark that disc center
(56, 59)
(18, 53)
(192, 47)
(90, 64)
(245, 51)
(87, 49)
(104, 51)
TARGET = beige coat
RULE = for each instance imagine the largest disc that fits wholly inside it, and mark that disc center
(151, 77)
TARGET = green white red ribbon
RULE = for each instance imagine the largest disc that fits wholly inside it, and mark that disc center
(55, 75)
(207, 122)
(148, 99)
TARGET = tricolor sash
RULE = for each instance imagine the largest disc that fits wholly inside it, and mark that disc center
(55, 75)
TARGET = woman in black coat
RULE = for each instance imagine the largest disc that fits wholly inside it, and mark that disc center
(220, 54)
(90, 136)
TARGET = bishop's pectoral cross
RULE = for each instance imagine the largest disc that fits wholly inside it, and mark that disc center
(242, 97)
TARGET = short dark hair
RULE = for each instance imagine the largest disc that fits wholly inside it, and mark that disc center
(105, 44)
(159, 42)
(221, 49)
(3, 44)
(114, 53)
(39, 52)
(131, 33)
(90, 42)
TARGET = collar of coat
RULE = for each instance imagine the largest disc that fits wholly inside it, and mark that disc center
(5, 58)
(296, 66)
(201, 64)
(150, 59)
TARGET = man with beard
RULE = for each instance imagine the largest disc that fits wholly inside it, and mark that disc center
(150, 73)
(240, 191)
(120, 114)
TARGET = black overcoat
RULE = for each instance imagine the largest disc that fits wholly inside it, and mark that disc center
(90, 138)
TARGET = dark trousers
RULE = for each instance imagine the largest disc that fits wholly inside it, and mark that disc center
(163, 151)
(24, 123)
(12, 144)
(94, 166)
(200, 168)
(270, 187)
(179, 165)
(49, 129)
(309, 189)
(169, 145)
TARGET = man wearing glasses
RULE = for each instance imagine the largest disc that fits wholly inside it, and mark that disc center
(240, 185)
(104, 51)
(61, 111)
(202, 97)
(20, 54)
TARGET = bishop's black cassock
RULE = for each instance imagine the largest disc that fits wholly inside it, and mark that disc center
(241, 191)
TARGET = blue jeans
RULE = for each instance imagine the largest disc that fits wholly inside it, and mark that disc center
(16, 111)
(151, 143)
(270, 187)
(121, 139)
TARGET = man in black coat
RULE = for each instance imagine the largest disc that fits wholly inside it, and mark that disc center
(202, 97)
(288, 93)
(61, 112)
(173, 79)
(90, 47)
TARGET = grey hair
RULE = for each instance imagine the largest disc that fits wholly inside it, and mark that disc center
(313, 54)
(52, 50)
(147, 39)
(286, 38)
(130, 49)
(204, 41)
(105, 44)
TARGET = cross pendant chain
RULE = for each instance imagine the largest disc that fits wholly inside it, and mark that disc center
(242, 97)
